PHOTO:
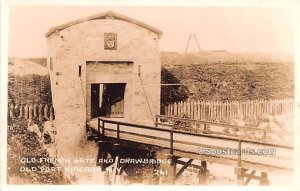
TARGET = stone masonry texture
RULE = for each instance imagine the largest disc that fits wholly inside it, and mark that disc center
(83, 45)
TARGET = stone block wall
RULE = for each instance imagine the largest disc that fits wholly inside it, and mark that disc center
(79, 44)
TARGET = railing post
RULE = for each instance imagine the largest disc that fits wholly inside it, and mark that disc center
(264, 179)
(98, 126)
(102, 154)
(239, 153)
(116, 148)
(239, 170)
(171, 142)
(118, 132)
(156, 121)
(167, 173)
(103, 130)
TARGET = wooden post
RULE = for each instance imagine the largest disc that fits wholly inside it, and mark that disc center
(41, 117)
(180, 109)
(103, 130)
(184, 110)
(172, 109)
(264, 179)
(30, 112)
(26, 112)
(192, 110)
(51, 113)
(188, 108)
(16, 110)
(98, 130)
(167, 171)
(166, 110)
(239, 170)
(198, 110)
(21, 113)
(206, 128)
(171, 142)
(118, 133)
(46, 112)
(11, 111)
(203, 174)
(102, 154)
(116, 147)
(172, 168)
(204, 165)
(239, 153)
(35, 111)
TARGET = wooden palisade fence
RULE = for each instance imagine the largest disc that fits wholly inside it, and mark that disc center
(229, 110)
(39, 112)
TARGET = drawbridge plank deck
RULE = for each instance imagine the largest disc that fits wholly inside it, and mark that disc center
(188, 146)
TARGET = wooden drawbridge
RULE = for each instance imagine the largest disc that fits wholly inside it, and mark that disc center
(201, 140)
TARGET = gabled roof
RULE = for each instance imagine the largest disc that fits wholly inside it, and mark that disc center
(103, 15)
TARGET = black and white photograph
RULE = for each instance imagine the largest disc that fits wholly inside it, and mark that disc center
(149, 95)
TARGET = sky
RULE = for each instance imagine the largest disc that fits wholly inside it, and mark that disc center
(242, 29)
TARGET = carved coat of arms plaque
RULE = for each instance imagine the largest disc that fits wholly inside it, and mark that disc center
(110, 41)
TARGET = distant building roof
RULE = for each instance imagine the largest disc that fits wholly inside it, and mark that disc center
(104, 15)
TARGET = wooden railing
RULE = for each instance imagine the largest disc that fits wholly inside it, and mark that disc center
(109, 131)
(102, 131)
(259, 135)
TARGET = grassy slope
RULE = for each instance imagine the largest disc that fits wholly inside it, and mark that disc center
(28, 81)
(225, 76)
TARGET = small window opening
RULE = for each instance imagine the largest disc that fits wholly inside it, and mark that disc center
(51, 64)
(79, 71)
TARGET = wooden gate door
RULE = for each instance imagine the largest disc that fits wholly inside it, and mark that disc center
(94, 100)
(115, 106)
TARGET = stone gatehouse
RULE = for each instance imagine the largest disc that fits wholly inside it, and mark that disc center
(103, 65)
